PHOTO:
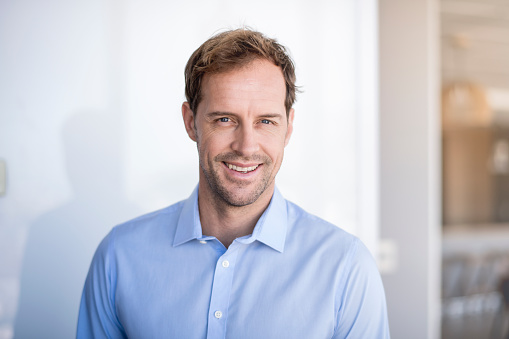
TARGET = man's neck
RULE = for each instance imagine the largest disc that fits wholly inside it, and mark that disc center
(227, 222)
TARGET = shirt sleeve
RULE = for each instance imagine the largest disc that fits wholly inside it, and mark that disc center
(97, 315)
(362, 307)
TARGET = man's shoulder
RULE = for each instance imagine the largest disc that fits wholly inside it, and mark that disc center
(311, 230)
(150, 224)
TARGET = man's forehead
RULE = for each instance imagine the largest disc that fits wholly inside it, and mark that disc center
(253, 67)
(262, 74)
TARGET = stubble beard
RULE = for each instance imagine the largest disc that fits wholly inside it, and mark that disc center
(237, 196)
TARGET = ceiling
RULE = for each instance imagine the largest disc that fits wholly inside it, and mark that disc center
(475, 41)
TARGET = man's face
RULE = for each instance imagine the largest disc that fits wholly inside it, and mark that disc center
(241, 130)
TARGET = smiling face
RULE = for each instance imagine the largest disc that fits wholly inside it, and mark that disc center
(241, 129)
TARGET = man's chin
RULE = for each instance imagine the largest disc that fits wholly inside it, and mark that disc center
(241, 196)
(235, 193)
(240, 200)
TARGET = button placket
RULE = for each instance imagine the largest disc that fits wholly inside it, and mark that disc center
(220, 296)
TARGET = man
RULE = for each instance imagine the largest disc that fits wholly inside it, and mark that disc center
(234, 260)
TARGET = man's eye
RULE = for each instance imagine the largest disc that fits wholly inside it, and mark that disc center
(224, 119)
(265, 121)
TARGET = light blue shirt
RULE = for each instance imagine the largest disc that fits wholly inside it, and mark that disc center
(296, 276)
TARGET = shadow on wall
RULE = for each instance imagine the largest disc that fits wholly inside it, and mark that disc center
(61, 243)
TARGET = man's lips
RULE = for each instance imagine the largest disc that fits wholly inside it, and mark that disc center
(241, 168)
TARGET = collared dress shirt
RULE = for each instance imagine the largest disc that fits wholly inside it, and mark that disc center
(295, 276)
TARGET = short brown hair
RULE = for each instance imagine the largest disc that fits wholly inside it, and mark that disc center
(233, 49)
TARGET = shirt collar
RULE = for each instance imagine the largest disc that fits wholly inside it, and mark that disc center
(270, 228)
(189, 225)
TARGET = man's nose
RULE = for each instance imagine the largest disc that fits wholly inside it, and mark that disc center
(246, 141)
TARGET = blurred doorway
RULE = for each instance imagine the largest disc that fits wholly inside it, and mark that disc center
(475, 167)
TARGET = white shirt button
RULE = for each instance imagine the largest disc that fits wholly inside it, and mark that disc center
(218, 314)
(203, 242)
(226, 263)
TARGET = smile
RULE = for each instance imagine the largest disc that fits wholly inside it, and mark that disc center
(241, 169)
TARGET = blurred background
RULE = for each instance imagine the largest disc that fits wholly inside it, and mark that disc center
(475, 168)
(400, 138)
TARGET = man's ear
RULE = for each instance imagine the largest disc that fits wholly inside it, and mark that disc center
(188, 116)
(289, 129)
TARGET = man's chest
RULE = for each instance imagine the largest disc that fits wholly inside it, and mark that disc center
(237, 294)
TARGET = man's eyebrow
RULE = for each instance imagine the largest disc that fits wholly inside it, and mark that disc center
(271, 115)
(216, 114)
(222, 114)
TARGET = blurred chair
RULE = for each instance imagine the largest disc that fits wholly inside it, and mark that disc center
(501, 321)
(474, 304)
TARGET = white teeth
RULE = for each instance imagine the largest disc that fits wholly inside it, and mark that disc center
(242, 169)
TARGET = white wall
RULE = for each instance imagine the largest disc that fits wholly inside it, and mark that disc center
(410, 164)
(90, 129)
